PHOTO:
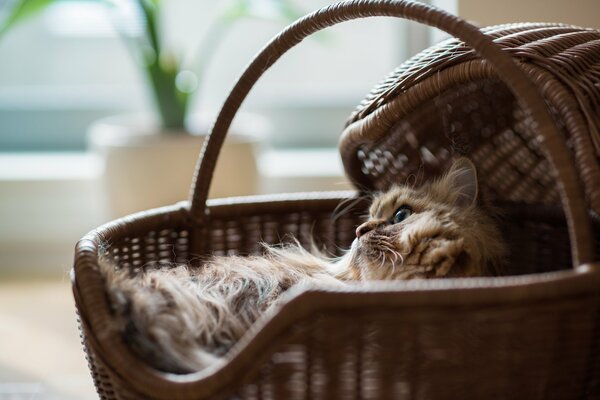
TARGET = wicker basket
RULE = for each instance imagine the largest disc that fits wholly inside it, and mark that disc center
(530, 123)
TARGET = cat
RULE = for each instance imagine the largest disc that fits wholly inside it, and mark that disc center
(182, 319)
(437, 230)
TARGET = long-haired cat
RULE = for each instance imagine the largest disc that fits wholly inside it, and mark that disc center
(183, 319)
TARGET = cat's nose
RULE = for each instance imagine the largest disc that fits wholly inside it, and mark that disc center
(366, 227)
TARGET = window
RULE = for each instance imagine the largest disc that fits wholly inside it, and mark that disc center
(67, 67)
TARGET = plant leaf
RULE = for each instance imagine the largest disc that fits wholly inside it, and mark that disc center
(20, 11)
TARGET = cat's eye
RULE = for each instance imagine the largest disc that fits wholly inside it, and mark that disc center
(401, 214)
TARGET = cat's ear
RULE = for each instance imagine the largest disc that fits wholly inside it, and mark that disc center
(462, 178)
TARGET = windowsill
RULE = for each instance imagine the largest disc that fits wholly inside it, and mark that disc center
(15, 167)
(294, 163)
(50, 200)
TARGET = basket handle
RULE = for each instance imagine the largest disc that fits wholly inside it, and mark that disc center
(560, 157)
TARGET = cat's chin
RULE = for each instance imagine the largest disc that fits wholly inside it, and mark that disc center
(371, 262)
(366, 250)
(365, 262)
(360, 252)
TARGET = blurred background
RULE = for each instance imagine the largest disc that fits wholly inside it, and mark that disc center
(103, 108)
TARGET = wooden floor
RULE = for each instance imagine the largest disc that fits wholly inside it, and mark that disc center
(40, 351)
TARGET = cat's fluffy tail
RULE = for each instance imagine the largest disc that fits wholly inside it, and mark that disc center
(159, 317)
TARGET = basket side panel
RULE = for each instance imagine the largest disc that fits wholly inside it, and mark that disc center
(495, 352)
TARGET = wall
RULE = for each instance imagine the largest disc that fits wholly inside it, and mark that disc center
(584, 13)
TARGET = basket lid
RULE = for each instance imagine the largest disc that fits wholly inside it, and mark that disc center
(394, 134)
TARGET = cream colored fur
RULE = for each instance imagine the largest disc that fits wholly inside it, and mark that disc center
(182, 319)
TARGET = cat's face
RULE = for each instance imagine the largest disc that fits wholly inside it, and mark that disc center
(433, 231)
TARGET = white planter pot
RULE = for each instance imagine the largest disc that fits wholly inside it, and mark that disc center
(147, 168)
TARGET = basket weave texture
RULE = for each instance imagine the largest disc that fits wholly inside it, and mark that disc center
(522, 102)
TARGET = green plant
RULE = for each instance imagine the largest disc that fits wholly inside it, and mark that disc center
(172, 83)
(20, 10)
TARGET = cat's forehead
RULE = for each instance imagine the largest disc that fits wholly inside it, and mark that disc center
(387, 202)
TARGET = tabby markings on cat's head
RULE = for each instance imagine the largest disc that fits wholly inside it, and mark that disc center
(437, 230)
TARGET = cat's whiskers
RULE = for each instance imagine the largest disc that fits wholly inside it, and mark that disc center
(394, 262)
(388, 255)
(398, 255)
(383, 260)
(386, 250)
(388, 246)
(391, 252)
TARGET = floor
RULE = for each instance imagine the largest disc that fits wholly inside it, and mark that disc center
(40, 351)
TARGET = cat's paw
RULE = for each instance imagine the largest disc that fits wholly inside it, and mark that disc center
(436, 256)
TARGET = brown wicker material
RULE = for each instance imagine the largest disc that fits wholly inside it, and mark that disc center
(531, 336)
